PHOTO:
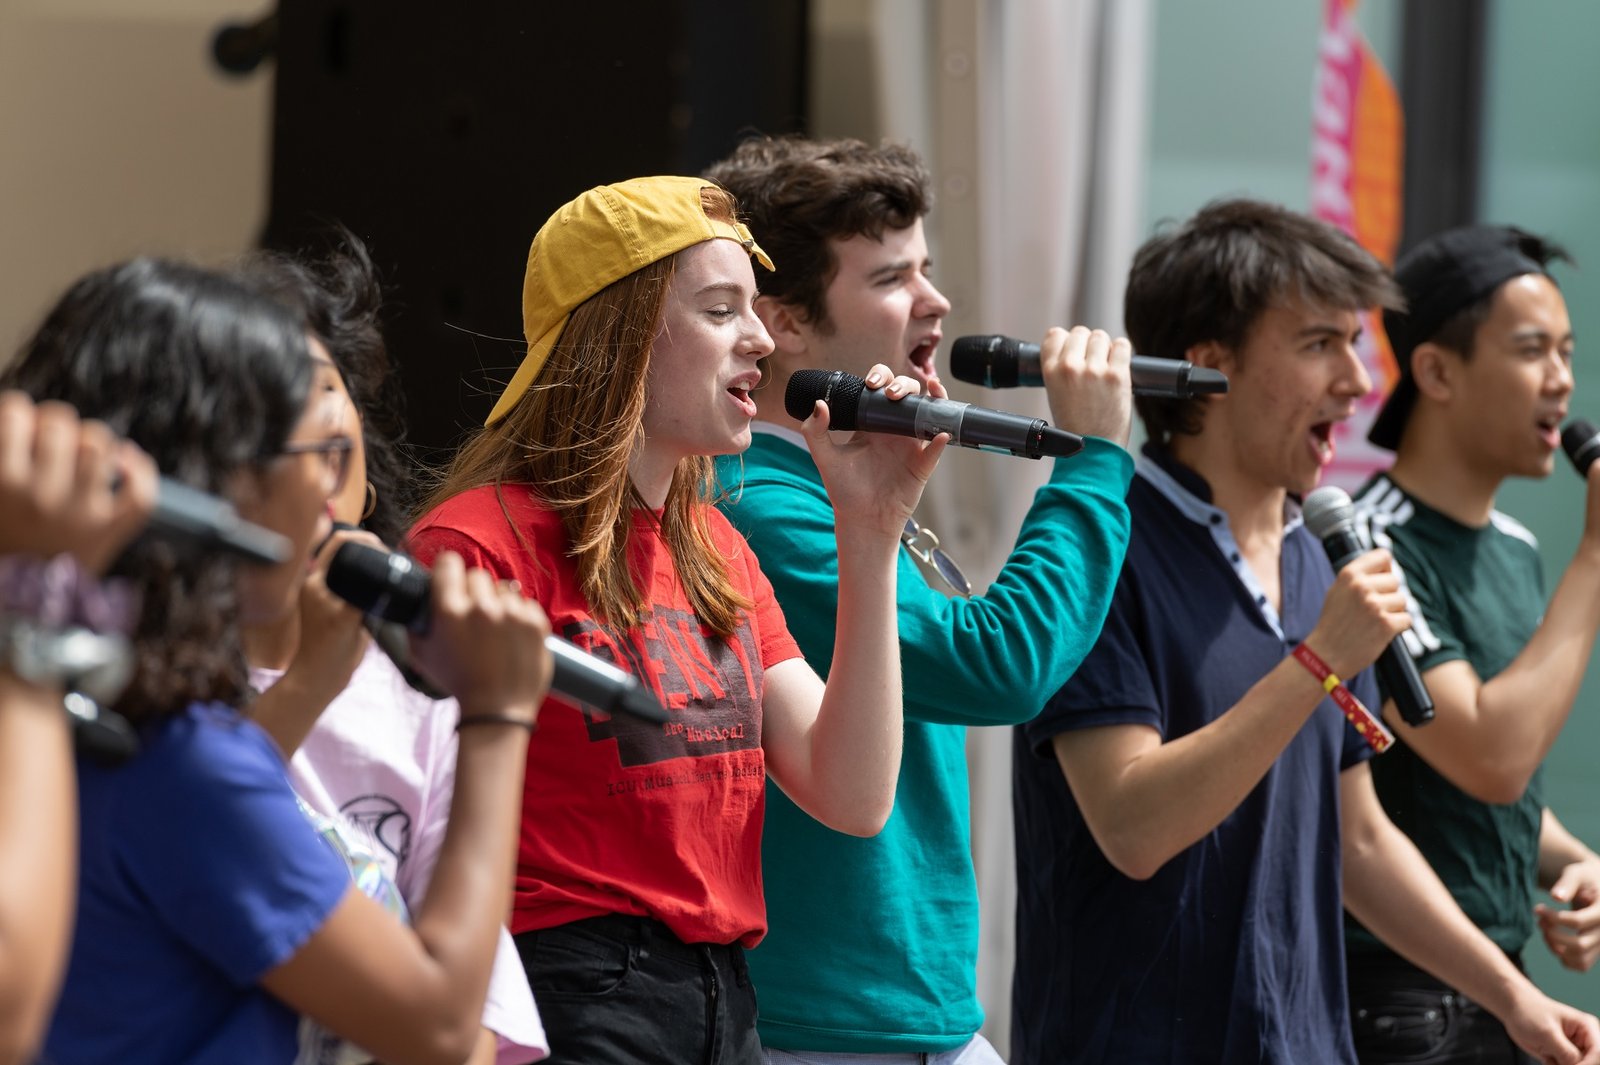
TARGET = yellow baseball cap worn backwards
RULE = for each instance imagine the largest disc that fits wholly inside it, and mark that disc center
(598, 239)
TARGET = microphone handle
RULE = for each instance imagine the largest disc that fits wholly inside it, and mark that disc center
(968, 426)
(578, 678)
(1398, 674)
(586, 680)
(1151, 377)
(390, 638)
(1397, 671)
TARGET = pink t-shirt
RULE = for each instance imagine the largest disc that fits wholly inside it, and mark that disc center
(382, 759)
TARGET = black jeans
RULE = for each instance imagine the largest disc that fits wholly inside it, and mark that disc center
(1401, 1015)
(621, 990)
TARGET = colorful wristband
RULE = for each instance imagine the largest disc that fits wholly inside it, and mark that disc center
(1367, 726)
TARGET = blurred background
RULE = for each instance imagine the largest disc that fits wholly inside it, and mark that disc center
(1060, 133)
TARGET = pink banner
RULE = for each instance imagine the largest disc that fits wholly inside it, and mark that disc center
(1356, 144)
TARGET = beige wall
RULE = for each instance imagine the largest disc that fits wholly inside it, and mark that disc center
(120, 137)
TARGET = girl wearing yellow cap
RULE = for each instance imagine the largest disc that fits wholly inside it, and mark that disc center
(639, 874)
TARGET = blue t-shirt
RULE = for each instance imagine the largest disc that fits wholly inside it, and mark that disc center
(198, 874)
(1233, 950)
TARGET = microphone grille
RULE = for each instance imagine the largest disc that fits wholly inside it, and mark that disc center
(378, 582)
(1577, 437)
(980, 360)
(840, 390)
(1326, 510)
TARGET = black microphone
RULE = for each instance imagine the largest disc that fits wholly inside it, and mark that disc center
(1331, 518)
(1581, 441)
(396, 588)
(851, 405)
(209, 522)
(1003, 362)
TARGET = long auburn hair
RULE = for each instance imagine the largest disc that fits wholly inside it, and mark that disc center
(569, 440)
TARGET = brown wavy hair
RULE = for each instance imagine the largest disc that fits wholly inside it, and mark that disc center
(797, 194)
(571, 435)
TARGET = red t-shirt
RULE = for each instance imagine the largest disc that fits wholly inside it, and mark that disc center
(621, 815)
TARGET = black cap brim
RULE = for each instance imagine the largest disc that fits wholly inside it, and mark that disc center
(1390, 424)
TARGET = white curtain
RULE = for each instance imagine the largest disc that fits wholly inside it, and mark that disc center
(1032, 115)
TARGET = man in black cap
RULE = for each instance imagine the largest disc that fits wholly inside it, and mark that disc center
(1485, 354)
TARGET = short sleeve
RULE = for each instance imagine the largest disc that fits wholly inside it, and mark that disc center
(774, 640)
(427, 542)
(220, 850)
(1113, 686)
(1433, 638)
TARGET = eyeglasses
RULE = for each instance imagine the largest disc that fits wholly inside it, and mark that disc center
(335, 452)
(932, 560)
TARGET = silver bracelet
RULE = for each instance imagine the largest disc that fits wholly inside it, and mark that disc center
(96, 664)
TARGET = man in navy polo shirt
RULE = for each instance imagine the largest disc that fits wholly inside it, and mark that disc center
(1192, 809)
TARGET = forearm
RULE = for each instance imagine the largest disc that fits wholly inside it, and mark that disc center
(996, 658)
(853, 756)
(484, 1052)
(38, 860)
(1558, 849)
(468, 898)
(1521, 710)
(1391, 889)
(1145, 806)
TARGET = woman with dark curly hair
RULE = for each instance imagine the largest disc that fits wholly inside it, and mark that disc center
(210, 913)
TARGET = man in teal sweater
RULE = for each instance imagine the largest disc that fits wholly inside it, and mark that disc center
(872, 947)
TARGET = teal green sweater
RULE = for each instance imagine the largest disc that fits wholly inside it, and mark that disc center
(873, 943)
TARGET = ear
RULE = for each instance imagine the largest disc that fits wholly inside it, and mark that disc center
(783, 324)
(1213, 355)
(1435, 370)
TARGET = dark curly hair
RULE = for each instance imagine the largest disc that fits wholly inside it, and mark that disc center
(1210, 278)
(339, 294)
(208, 377)
(796, 194)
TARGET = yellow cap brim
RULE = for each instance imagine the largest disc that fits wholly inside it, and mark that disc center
(522, 380)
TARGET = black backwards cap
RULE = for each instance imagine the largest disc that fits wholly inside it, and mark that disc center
(1440, 277)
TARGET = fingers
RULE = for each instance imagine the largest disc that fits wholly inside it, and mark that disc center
(1087, 383)
(68, 485)
(815, 428)
(450, 585)
(323, 555)
(880, 376)
(55, 440)
(16, 442)
(1573, 936)
(1577, 885)
(139, 479)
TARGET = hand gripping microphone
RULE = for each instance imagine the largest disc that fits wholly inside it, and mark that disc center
(396, 588)
(1581, 441)
(1331, 517)
(1002, 362)
(851, 405)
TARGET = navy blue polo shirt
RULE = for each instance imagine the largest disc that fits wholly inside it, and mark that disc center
(1233, 951)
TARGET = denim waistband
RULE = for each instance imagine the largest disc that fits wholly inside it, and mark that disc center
(652, 935)
(1384, 969)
